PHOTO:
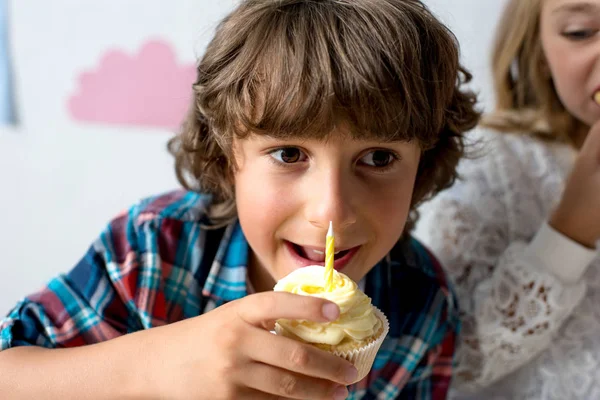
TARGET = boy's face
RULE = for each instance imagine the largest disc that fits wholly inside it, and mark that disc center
(287, 191)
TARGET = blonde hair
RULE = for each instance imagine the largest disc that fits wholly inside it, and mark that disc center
(296, 68)
(526, 99)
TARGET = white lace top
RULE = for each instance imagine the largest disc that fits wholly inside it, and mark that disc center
(530, 296)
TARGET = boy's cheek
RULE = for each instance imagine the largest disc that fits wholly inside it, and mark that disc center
(261, 208)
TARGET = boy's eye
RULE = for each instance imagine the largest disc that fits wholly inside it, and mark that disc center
(378, 158)
(580, 34)
(288, 155)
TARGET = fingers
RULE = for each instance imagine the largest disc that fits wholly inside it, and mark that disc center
(301, 358)
(263, 308)
(279, 382)
(288, 368)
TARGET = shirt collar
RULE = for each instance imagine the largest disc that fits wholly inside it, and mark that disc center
(226, 280)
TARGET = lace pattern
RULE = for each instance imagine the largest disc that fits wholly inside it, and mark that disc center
(526, 334)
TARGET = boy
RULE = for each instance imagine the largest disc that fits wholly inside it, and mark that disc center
(305, 112)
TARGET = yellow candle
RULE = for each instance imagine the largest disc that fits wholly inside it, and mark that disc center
(329, 254)
(597, 97)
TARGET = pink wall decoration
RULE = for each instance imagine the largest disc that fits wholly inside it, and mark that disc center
(146, 89)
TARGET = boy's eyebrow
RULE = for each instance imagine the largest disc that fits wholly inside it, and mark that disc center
(581, 7)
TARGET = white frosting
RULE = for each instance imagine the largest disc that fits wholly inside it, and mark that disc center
(356, 320)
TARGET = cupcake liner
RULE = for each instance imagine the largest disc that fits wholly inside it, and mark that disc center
(364, 357)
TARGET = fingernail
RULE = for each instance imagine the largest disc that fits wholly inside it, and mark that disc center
(331, 311)
(340, 393)
(351, 374)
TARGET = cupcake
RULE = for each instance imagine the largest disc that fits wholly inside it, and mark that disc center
(358, 332)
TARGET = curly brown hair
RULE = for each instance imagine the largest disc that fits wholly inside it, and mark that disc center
(296, 68)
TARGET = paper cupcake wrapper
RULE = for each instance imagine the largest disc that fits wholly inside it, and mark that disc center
(364, 357)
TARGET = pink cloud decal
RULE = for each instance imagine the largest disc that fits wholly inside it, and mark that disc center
(147, 89)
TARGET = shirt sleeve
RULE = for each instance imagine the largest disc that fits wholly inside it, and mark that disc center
(112, 291)
(515, 289)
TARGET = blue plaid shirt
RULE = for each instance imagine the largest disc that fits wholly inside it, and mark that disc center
(156, 265)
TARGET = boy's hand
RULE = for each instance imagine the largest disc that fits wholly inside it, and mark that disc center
(229, 353)
(578, 214)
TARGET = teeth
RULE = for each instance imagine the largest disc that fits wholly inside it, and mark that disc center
(320, 252)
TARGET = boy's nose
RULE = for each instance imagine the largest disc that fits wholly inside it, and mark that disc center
(332, 200)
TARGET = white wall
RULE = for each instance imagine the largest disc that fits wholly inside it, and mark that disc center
(473, 22)
(61, 179)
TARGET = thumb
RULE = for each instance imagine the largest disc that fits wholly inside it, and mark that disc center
(263, 309)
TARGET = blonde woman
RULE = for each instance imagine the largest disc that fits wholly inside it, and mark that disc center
(518, 232)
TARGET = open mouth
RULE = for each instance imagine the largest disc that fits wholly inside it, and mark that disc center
(307, 255)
